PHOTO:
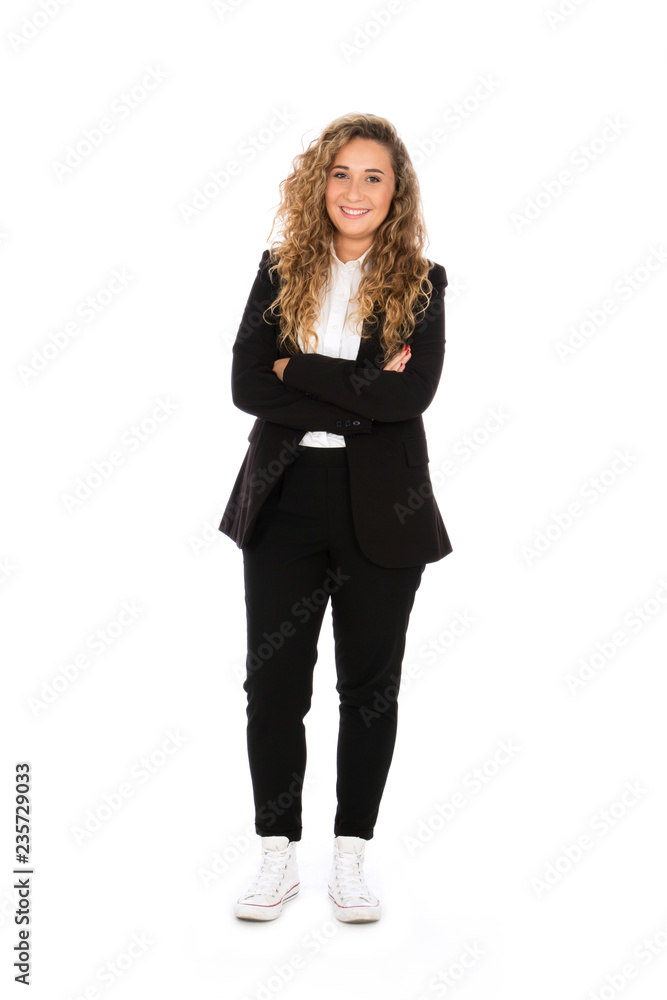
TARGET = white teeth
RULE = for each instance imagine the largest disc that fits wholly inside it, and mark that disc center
(355, 211)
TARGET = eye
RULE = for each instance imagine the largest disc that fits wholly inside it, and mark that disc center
(341, 173)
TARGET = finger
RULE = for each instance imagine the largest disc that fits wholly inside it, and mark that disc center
(400, 357)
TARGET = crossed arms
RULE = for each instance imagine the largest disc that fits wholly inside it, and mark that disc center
(331, 394)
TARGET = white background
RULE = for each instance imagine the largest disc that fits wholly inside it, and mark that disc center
(494, 878)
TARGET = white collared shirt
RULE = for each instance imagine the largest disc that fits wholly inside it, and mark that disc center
(336, 338)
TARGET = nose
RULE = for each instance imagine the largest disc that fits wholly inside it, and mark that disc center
(355, 191)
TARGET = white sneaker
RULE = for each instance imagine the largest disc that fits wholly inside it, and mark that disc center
(353, 900)
(276, 882)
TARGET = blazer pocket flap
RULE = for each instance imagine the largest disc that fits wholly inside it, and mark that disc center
(416, 451)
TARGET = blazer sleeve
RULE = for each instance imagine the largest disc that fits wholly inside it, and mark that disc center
(366, 388)
(257, 389)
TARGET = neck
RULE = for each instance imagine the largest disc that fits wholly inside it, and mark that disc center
(347, 248)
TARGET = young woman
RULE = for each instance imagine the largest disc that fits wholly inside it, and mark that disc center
(339, 352)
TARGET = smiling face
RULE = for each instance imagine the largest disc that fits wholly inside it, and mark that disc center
(358, 195)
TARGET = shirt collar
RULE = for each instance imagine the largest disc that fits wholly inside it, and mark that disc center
(351, 265)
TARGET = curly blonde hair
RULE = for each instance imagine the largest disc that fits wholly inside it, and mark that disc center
(395, 281)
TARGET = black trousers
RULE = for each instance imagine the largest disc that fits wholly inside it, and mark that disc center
(303, 551)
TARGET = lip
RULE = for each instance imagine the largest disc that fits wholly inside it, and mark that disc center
(365, 212)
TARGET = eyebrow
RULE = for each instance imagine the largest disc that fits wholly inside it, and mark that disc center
(368, 170)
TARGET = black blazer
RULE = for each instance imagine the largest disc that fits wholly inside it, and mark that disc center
(396, 517)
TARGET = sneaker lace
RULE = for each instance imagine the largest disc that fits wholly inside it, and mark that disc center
(270, 873)
(350, 876)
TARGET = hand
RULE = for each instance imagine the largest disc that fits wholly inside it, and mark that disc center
(279, 367)
(399, 360)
